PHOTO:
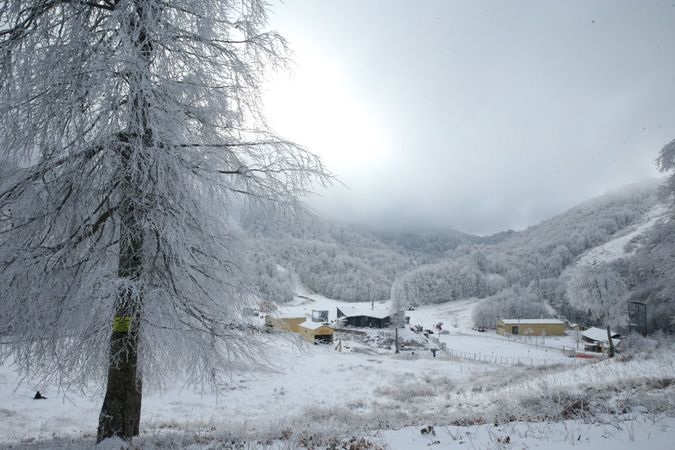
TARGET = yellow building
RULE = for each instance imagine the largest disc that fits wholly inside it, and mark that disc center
(531, 327)
(316, 332)
(284, 323)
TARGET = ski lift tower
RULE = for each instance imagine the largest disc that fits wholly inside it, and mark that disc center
(637, 317)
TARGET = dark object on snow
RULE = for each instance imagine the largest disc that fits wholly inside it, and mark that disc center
(39, 396)
(428, 430)
(433, 352)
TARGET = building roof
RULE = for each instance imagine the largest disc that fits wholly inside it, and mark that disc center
(313, 325)
(532, 322)
(597, 334)
(365, 309)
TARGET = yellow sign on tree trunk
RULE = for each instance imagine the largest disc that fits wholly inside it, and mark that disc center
(121, 324)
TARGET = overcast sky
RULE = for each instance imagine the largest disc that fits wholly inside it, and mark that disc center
(475, 115)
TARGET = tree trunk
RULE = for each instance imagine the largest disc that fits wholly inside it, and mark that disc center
(121, 410)
(610, 351)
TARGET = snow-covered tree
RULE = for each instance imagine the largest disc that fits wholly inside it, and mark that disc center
(133, 124)
(399, 303)
(599, 291)
(666, 163)
(511, 303)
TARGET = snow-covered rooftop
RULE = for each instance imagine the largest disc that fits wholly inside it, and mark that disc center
(532, 321)
(313, 325)
(597, 334)
(365, 309)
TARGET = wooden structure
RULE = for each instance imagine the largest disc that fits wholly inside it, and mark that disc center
(531, 327)
(316, 332)
(289, 324)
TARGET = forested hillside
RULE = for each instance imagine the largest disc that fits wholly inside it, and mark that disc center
(344, 262)
(520, 274)
(646, 273)
(650, 275)
(517, 273)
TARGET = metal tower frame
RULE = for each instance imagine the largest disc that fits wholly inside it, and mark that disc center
(637, 317)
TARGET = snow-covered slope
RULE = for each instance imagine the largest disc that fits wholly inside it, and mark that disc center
(618, 246)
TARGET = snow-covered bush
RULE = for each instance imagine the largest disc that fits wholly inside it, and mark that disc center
(410, 389)
(512, 303)
(442, 282)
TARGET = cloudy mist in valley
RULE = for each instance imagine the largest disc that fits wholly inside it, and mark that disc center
(479, 116)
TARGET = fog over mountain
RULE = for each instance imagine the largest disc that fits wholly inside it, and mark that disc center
(479, 116)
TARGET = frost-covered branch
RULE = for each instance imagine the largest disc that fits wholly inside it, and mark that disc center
(132, 128)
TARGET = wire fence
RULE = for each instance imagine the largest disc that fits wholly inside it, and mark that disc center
(506, 360)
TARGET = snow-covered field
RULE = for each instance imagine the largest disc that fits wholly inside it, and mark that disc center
(631, 433)
(311, 377)
(464, 342)
(310, 396)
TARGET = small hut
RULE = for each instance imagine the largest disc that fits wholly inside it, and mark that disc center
(316, 332)
(596, 340)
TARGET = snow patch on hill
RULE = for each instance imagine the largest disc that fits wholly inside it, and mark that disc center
(619, 247)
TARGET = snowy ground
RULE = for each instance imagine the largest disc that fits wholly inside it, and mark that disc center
(626, 433)
(306, 377)
(463, 342)
(334, 395)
